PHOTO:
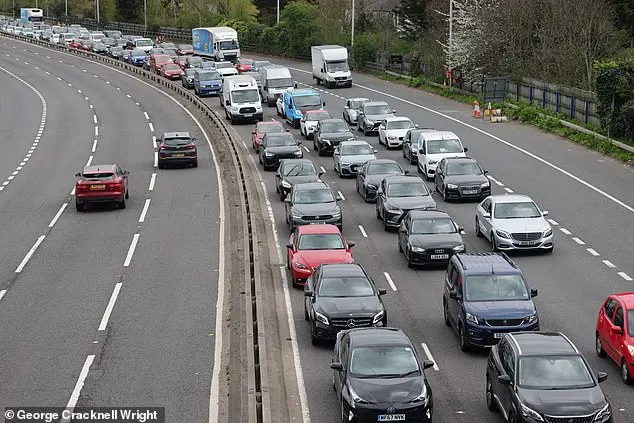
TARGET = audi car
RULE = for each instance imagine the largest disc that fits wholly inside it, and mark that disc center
(461, 178)
(177, 148)
(350, 155)
(329, 133)
(277, 146)
(372, 172)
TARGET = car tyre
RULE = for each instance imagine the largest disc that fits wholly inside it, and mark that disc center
(445, 313)
(378, 214)
(444, 194)
(477, 228)
(122, 203)
(400, 247)
(494, 245)
(195, 163)
(625, 373)
(491, 405)
(408, 256)
(599, 346)
(313, 339)
(386, 228)
(464, 344)
(127, 194)
(418, 169)
(79, 206)
(306, 316)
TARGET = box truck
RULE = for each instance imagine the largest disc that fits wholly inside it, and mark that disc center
(330, 66)
(219, 43)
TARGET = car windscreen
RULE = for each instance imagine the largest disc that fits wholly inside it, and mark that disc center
(519, 210)
(400, 124)
(101, 176)
(407, 189)
(332, 127)
(554, 373)
(162, 58)
(228, 45)
(498, 287)
(355, 104)
(245, 62)
(224, 65)
(430, 226)
(384, 169)
(321, 242)
(337, 66)
(299, 169)
(209, 76)
(245, 96)
(169, 45)
(190, 72)
(378, 110)
(280, 82)
(317, 115)
(444, 146)
(171, 67)
(356, 150)
(194, 59)
(463, 168)
(98, 36)
(259, 64)
(355, 286)
(143, 43)
(177, 141)
(280, 141)
(116, 49)
(383, 362)
(273, 129)
(313, 196)
(307, 100)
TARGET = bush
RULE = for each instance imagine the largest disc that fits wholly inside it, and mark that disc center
(615, 92)
(364, 49)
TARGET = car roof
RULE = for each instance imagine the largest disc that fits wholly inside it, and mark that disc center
(310, 185)
(397, 119)
(460, 159)
(318, 229)
(302, 91)
(100, 168)
(269, 123)
(420, 214)
(543, 343)
(332, 120)
(438, 135)
(403, 178)
(295, 161)
(486, 263)
(316, 111)
(354, 142)
(510, 198)
(366, 337)
(176, 135)
(342, 269)
(627, 298)
(358, 99)
(374, 161)
(375, 103)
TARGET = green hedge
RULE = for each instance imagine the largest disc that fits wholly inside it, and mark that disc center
(615, 92)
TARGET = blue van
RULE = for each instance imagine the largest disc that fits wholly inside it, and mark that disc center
(207, 81)
(298, 101)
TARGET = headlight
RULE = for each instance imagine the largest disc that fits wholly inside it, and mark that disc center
(350, 139)
(369, 122)
(503, 234)
(432, 162)
(485, 184)
(370, 186)
(378, 317)
(258, 107)
(286, 184)
(452, 186)
(300, 265)
(356, 399)
(234, 108)
(604, 414)
(473, 319)
(531, 319)
(321, 318)
(391, 137)
(394, 210)
(267, 154)
(423, 397)
(296, 216)
(529, 412)
(345, 163)
(630, 348)
(417, 249)
(459, 248)
(548, 232)
(299, 113)
(337, 213)
(326, 141)
(298, 153)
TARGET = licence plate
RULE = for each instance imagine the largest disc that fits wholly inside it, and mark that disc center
(470, 191)
(498, 335)
(249, 115)
(102, 186)
(527, 242)
(439, 256)
(178, 155)
(391, 417)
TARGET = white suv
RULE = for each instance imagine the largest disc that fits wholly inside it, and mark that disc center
(435, 146)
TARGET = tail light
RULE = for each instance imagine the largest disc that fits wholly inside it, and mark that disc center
(81, 188)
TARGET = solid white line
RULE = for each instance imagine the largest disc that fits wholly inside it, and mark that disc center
(79, 91)
(578, 241)
(322, 169)
(625, 276)
(152, 182)
(156, 159)
(144, 211)
(341, 195)
(89, 162)
(57, 215)
(509, 190)
(28, 255)
(59, 79)
(389, 280)
(153, 141)
(553, 222)
(609, 264)
(128, 258)
(363, 232)
(307, 149)
(80, 384)
(110, 306)
(593, 252)
(94, 146)
(151, 126)
(429, 356)
(565, 231)
(96, 130)
(4, 291)
(147, 117)
(94, 118)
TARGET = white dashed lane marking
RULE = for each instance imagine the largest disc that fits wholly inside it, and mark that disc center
(609, 264)
(578, 241)
(57, 215)
(151, 126)
(553, 222)
(307, 150)
(113, 299)
(30, 253)
(146, 206)
(625, 276)
(94, 146)
(363, 232)
(322, 169)
(565, 231)
(128, 258)
(592, 251)
(429, 356)
(509, 190)
(389, 280)
(147, 117)
(341, 195)
(4, 291)
(155, 159)
(89, 162)
(152, 182)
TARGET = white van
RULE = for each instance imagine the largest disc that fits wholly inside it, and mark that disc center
(144, 44)
(275, 80)
(433, 146)
(67, 37)
(96, 36)
(240, 98)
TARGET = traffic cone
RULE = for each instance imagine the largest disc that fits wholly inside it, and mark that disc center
(476, 110)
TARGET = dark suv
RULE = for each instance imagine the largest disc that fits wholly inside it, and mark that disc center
(485, 297)
(542, 377)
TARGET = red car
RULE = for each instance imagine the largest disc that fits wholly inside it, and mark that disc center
(180, 61)
(76, 43)
(244, 65)
(101, 184)
(185, 49)
(312, 245)
(171, 71)
(615, 332)
(262, 128)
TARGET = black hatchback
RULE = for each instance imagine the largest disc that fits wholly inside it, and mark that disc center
(177, 148)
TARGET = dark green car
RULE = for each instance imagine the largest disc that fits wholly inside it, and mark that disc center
(188, 78)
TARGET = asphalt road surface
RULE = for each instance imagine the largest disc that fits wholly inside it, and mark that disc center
(156, 261)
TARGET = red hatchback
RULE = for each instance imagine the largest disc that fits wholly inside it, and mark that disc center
(312, 245)
(262, 128)
(101, 184)
(615, 332)
(244, 65)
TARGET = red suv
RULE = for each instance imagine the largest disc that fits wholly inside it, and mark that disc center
(615, 332)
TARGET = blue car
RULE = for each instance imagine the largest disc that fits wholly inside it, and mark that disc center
(298, 101)
(485, 297)
(137, 57)
(207, 82)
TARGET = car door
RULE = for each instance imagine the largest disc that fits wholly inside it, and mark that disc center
(336, 158)
(421, 153)
(312, 284)
(495, 368)
(604, 323)
(403, 232)
(454, 305)
(361, 176)
(381, 196)
(440, 175)
(506, 392)
(278, 176)
(344, 359)
(124, 178)
(382, 129)
(407, 145)
(360, 117)
(483, 210)
(316, 134)
(617, 340)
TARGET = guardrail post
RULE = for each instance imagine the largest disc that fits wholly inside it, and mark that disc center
(586, 111)
(572, 107)
(518, 88)
(530, 95)
(544, 92)
(558, 100)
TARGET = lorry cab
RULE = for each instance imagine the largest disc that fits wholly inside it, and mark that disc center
(240, 98)
(298, 101)
(330, 66)
(275, 80)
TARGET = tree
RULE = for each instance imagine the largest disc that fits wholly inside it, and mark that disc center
(414, 20)
(335, 16)
(298, 28)
(129, 10)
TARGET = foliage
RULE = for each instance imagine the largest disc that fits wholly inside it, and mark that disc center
(364, 49)
(129, 10)
(298, 29)
(415, 19)
(615, 92)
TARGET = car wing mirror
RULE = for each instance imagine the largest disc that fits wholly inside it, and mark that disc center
(453, 295)
(126, 172)
(393, 111)
(320, 173)
(382, 291)
(486, 172)
(602, 376)
(78, 174)
(336, 366)
(416, 125)
(338, 197)
(534, 293)
(421, 151)
(460, 229)
(295, 84)
(428, 364)
(288, 130)
(336, 153)
(375, 150)
(486, 215)
(289, 245)
(323, 104)
(505, 380)
(253, 132)
(346, 107)
(406, 172)
(617, 330)
(287, 199)
(351, 244)
(228, 102)
(545, 213)
(466, 149)
(308, 293)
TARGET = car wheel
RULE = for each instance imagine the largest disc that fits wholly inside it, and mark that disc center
(359, 128)
(357, 182)
(599, 346)
(625, 373)
(477, 228)
(400, 247)
(314, 145)
(408, 256)
(444, 194)
(404, 156)
(277, 189)
(260, 159)
(282, 195)
(313, 339)
(386, 228)
(122, 203)
(512, 417)
(320, 152)
(343, 413)
(306, 316)
(464, 344)
(80, 207)
(491, 405)
(127, 194)
(445, 313)
(494, 245)
(411, 158)
(365, 131)
(418, 169)
(334, 386)
(288, 262)
(378, 213)
(195, 163)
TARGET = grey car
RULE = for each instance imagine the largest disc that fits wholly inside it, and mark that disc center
(294, 171)
(329, 133)
(372, 172)
(311, 203)
(410, 144)
(461, 178)
(188, 77)
(397, 195)
(351, 109)
(513, 222)
(371, 114)
(349, 155)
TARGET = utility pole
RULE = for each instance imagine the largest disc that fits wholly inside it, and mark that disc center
(450, 39)
(352, 27)
(66, 8)
(97, 14)
(278, 11)
(145, 17)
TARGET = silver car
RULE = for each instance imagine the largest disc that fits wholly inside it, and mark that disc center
(513, 222)
(352, 107)
(349, 155)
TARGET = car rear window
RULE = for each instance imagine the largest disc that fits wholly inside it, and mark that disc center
(98, 176)
(177, 141)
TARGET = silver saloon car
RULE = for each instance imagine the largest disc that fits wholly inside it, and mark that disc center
(513, 222)
(349, 155)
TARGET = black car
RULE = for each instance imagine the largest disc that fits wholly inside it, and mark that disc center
(399, 194)
(372, 172)
(341, 296)
(277, 146)
(115, 52)
(177, 148)
(313, 202)
(188, 77)
(542, 377)
(294, 171)
(194, 62)
(378, 376)
(410, 144)
(429, 237)
(329, 133)
(459, 178)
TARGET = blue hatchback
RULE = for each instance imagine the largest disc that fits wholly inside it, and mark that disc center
(485, 297)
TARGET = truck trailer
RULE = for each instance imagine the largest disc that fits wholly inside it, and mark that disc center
(218, 43)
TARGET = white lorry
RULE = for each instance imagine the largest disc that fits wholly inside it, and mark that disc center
(219, 43)
(275, 80)
(330, 66)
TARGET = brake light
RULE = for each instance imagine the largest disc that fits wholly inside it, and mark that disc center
(190, 146)
(81, 188)
(162, 147)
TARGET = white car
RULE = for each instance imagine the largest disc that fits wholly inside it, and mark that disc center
(308, 122)
(393, 129)
(226, 69)
(435, 146)
(279, 105)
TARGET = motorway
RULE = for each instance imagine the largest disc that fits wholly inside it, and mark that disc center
(130, 294)
(158, 333)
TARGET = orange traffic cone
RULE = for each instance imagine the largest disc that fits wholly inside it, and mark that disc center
(477, 114)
